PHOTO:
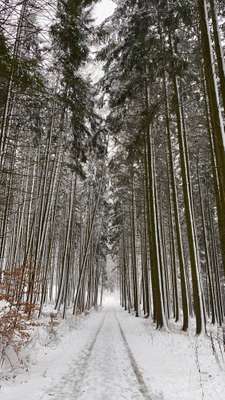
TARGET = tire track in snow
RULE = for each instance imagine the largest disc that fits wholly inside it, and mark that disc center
(83, 366)
(142, 385)
(74, 378)
(78, 382)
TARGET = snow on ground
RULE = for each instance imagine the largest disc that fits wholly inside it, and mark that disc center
(112, 355)
(175, 364)
(48, 358)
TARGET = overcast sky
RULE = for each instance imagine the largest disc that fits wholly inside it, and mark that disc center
(102, 10)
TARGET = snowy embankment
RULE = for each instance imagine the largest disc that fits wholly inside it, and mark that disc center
(47, 357)
(109, 354)
(176, 365)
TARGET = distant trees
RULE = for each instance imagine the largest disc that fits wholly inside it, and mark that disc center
(52, 160)
(163, 62)
(164, 85)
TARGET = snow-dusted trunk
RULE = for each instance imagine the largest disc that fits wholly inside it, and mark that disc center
(174, 201)
(173, 258)
(10, 101)
(63, 285)
(133, 248)
(162, 252)
(4, 223)
(207, 253)
(158, 307)
(218, 134)
(148, 222)
(48, 225)
(44, 198)
(215, 264)
(41, 214)
(218, 50)
(144, 258)
(212, 91)
(66, 260)
(219, 204)
(189, 215)
(87, 247)
(16, 259)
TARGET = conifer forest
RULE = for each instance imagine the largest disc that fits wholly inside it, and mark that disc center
(112, 189)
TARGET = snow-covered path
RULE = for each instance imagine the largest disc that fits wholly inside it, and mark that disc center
(105, 370)
(111, 355)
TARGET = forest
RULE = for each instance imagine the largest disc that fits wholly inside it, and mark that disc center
(130, 165)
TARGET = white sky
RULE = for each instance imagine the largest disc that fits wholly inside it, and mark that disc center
(102, 10)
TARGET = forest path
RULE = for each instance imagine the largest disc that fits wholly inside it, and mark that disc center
(111, 355)
(105, 370)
